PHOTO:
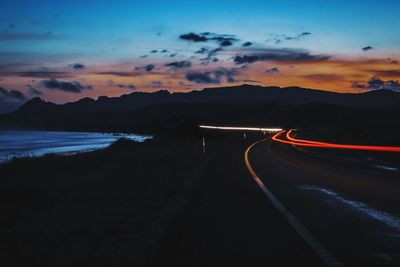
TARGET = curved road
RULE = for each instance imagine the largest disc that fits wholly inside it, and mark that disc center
(348, 205)
(311, 241)
(229, 222)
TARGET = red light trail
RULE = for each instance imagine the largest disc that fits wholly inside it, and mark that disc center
(311, 143)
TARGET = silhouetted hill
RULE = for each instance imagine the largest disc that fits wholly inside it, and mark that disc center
(161, 110)
(237, 94)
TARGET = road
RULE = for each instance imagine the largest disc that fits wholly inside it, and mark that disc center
(229, 222)
(351, 207)
(327, 257)
(348, 206)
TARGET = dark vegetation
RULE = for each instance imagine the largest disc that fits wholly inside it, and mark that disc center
(105, 208)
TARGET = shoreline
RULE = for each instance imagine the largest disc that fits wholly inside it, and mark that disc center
(40, 143)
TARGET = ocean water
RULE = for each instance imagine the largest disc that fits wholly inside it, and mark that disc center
(38, 143)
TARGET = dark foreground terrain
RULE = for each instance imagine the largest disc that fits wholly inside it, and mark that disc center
(160, 203)
(105, 208)
(166, 203)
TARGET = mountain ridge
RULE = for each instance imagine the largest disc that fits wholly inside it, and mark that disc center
(292, 95)
(162, 110)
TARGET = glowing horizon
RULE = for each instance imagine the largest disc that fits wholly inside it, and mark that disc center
(93, 49)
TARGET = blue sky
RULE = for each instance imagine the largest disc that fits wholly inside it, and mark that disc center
(100, 34)
(82, 26)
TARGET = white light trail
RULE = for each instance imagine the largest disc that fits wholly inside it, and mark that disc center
(228, 128)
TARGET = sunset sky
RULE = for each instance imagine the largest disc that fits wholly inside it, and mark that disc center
(63, 50)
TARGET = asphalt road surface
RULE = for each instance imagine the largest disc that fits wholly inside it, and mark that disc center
(348, 204)
(229, 221)
(343, 199)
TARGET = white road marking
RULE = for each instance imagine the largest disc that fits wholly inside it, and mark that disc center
(315, 245)
(382, 216)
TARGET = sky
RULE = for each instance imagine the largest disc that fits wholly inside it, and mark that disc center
(64, 50)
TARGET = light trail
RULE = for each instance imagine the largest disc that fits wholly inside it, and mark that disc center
(310, 143)
(229, 128)
(301, 230)
(276, 138)
(303, 140)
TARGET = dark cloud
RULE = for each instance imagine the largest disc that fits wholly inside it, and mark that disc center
(202, 50)
(230, 74)
(375, 83)
(280, 55)
(15, 70)
(272, 70)
(226, 43)
(34, 91)
(193, 37)
(153, 51)
(305, 33)
(129, 86)
(392, 85)
(11, 95)
(127, 73)
(202, 77)
(211, 55)
(148, 68)
(221, 39)
(214, 52)
(386, 73)
(247, 59)
(118, 73)
(213, 77)
(38, 74)
(68, 87)
(182, 83)
(366, 48)
(78, 66)
(358, 85)
(164, 51)
(179, 64)
(17, 94)
(392, 61)
(275, 39)
(173, 55)
(278, 38)
(247, 44)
